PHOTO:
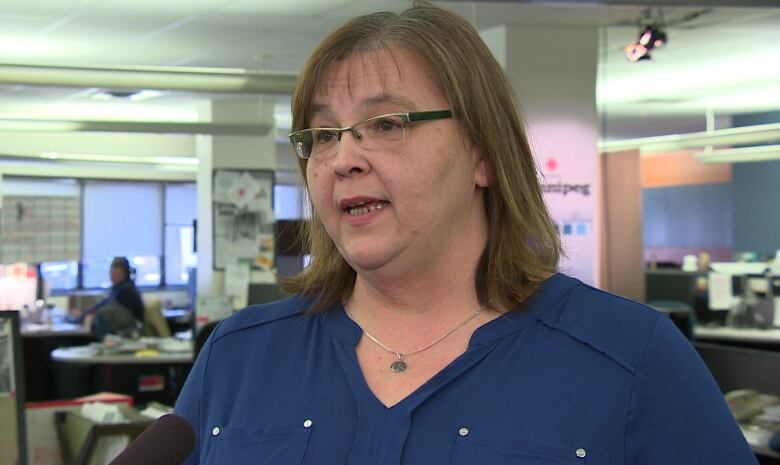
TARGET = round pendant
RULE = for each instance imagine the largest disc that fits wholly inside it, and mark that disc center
(399, 366)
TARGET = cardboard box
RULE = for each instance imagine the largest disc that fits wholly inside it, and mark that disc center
(99, 443)
(43, 446)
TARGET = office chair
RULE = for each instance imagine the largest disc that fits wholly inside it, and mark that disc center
(202, 336)
(680, 313)
(154, 322)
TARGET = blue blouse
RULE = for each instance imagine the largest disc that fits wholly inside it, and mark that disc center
(577, 376)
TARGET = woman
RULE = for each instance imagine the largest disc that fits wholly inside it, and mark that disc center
(430, 326)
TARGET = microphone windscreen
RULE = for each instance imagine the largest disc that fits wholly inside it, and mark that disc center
(167, 441)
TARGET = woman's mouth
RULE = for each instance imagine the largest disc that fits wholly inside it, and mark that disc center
(363, 208)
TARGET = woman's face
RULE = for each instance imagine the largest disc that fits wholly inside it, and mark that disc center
(117, 274)
(411, 206)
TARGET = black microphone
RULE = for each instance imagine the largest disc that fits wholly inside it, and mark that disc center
(167, 441)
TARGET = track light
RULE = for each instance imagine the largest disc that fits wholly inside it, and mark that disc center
(650, 38)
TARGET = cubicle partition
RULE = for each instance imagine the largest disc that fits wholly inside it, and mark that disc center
(13, 443)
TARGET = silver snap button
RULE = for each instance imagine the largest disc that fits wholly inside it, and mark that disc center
(307, 423)
(215, 431)
(463, 431)
(581, 453)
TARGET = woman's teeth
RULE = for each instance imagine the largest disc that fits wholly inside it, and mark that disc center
(364, 208)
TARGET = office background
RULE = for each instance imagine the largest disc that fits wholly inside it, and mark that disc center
(115, 116)
(125, 107)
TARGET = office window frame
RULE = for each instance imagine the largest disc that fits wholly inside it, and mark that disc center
(81, 185)
(161, 186)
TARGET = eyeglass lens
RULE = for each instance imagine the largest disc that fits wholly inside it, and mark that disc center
(374, 133)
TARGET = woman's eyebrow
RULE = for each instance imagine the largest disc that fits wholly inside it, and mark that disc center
(325, 110)
(388, 97)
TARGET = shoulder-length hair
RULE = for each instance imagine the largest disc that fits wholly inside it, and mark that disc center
(523, 247)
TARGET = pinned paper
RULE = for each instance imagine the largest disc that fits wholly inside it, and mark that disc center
(237, 279)
(720, 291)
(211, 308)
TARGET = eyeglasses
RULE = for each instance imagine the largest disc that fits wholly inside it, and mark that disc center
(376, 133)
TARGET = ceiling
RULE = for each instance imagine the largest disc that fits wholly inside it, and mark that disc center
(725, 60)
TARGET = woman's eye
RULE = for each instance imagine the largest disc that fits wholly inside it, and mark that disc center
(387, 125)
(323, 137)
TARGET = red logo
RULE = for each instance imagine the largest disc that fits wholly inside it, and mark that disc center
(552, 164)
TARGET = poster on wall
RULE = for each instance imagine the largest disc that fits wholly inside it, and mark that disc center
(568, 167)
(243, 218)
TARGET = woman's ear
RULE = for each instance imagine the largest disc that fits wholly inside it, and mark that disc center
(483, 173)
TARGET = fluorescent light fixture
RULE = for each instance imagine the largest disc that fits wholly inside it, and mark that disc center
(90, 109)
(146, 95)
(25, 46)
(131, 95)
(187, 161)
(40, 125)
(147, 127)
(739, 155)
(149, 77)
(690, 80)
(766, 97)
(93, 157)
(762, 133)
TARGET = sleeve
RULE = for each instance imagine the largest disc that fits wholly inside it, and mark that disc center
(188, 404)
(96, 306)
(677, 413)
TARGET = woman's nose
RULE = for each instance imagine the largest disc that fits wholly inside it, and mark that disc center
(349, 158)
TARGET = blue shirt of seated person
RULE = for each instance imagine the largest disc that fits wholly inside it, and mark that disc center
(123, 297)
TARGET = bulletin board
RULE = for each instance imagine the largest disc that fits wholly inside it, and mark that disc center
(13, 443)
(40, 228)
(243, 215)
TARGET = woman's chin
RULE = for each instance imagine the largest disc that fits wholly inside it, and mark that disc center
(368, 259)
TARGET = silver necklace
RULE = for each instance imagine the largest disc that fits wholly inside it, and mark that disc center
(399, 364)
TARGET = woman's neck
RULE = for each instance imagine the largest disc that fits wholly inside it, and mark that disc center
(406, 316)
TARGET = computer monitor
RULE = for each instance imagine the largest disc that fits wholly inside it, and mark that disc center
(60, 275)
(147, 271)
(688, 289)
(671, 285)
(264, 293)
(741, 368)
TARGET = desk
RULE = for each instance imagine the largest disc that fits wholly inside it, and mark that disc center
(38, 340)
(751, 337)
(87, 355)
(55, 329)
(736, 367)
(147, 378)
(178, 319)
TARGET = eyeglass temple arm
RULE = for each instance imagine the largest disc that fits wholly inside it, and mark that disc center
(426, 115)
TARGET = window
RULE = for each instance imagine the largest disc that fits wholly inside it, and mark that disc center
(287, 202)
(181, 209)
(146, 269)
(120, 219)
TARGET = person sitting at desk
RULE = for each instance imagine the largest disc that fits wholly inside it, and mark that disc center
(122, 311)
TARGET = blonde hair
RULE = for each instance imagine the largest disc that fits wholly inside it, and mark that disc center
(523, 248)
